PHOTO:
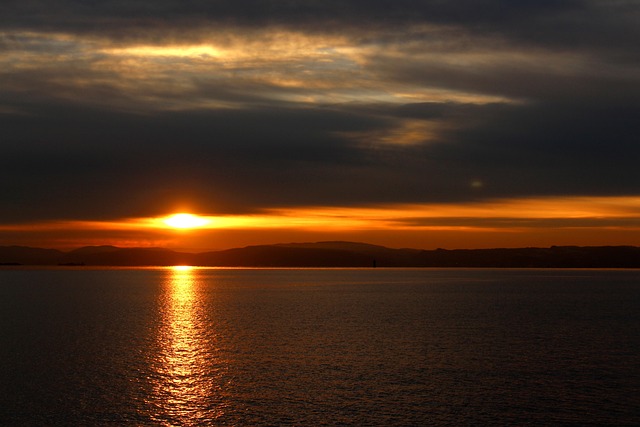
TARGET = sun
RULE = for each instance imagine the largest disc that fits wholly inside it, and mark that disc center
(185, 220)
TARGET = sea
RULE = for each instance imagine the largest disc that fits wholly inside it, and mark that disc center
(187, 346)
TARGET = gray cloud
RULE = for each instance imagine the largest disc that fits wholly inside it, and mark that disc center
(528, 98)
(558, 23)
(107, 165)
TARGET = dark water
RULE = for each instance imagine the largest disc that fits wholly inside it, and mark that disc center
(319, 347)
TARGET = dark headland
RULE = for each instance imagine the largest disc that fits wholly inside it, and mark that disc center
(332, 254)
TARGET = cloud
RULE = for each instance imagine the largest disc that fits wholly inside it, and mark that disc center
(117, 109)
(99, 164)
(552, 22)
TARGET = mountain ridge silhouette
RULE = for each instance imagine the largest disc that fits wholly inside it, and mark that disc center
(331, 254)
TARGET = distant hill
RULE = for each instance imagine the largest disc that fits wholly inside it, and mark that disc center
(284, 256)
(332, 254)
(111, 255)
(29, 256)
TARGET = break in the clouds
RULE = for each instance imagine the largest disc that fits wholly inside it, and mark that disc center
(113, 109)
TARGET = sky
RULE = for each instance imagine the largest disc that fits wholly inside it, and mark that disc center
(426, 124)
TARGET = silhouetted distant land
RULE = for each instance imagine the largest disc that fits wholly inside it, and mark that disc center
(332, 254)
(29, 256)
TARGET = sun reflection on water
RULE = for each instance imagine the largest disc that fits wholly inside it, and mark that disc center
(188, 371)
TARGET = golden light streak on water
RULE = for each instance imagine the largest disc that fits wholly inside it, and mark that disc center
(188, 370)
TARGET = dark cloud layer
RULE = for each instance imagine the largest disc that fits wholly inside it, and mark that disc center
(541, 98)
(559, 23)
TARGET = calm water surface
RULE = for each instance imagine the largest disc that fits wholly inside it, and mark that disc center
(172, 346)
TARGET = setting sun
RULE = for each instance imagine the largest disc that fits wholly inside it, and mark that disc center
(185, 220)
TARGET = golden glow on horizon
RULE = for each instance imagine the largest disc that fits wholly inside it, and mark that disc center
(185, 221)
(374, 217)
(508, 220)
(182, 268)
